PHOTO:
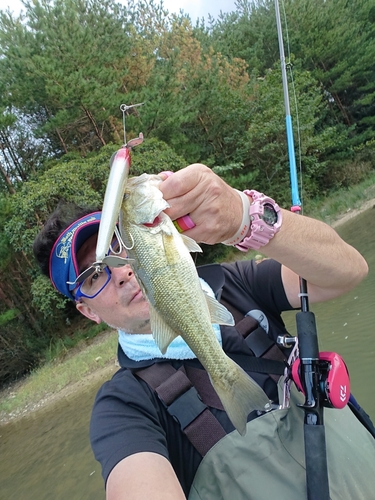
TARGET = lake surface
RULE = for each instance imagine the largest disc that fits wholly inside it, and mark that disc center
(346, 325)
(47, 455)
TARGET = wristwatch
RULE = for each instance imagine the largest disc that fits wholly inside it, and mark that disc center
(265, 221)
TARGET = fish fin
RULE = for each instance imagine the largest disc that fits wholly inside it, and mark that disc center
(240, 397)
(161, 331)
(219, 313)
(190, 244)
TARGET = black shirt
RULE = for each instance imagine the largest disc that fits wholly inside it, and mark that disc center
(129, 418)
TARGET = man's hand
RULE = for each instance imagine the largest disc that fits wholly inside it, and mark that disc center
(214, 207)
(305, 247)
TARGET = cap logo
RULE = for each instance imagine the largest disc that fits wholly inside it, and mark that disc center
(62, 249)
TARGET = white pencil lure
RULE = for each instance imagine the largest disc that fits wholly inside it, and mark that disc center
(114, 194)
(120, 167)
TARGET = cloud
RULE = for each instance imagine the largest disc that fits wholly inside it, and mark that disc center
(200, 8)
(195, 8)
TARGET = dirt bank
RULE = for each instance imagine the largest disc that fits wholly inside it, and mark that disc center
(351, 213)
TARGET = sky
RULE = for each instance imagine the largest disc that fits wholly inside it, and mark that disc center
(195, 8)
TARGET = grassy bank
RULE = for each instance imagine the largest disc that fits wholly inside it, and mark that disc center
(43, 384)
(67, 368)
(338, 205)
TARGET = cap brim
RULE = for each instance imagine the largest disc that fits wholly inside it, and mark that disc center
(63, 265)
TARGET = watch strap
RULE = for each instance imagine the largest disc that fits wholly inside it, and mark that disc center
(260, 233)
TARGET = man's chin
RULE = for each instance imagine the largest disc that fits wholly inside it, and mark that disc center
(140, 326)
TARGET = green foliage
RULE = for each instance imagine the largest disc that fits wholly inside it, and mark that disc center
(211, 94)
(19, 349)
(5, 248)
(8, 316)
(45, 298)
(211, 254)
(67, 68)
(79, 180)
(263, 148)
(339, 54)
(154, 156)
(59, 348)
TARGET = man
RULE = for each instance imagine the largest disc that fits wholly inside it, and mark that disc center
(141, 448)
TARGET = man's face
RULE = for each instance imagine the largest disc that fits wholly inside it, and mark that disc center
(121, 303)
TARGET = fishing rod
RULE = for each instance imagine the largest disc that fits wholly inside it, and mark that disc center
(310, 375)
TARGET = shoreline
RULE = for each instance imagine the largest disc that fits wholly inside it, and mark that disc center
(351, 213)
(103, 373)
(48, 399)
(90, 375)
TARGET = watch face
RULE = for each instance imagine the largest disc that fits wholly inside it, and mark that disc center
(269, 214)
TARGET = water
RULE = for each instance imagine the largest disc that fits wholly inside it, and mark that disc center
(47, 455)
(346, 325)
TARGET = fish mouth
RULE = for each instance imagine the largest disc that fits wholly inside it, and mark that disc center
(155, 222)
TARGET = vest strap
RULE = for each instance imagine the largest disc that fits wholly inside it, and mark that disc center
(184, 403)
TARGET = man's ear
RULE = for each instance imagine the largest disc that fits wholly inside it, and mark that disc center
(88, 312)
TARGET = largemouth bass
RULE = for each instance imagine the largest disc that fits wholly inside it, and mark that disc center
(166, 273)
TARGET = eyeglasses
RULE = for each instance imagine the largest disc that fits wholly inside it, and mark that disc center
(99, 278)
(94, 284)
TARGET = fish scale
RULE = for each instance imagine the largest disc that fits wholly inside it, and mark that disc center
(178, 306)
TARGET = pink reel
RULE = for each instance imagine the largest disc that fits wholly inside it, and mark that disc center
(334, 382)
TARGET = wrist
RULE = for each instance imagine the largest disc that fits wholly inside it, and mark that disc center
(261, 220)
(245, 223)
(265, 221)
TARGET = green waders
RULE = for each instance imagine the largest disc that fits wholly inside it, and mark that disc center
(269, 461)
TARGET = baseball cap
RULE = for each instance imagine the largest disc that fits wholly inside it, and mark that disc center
(63, 265)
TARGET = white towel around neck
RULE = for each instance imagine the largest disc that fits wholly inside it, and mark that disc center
(140, 347)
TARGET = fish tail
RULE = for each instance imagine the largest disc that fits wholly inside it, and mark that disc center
(240, 396)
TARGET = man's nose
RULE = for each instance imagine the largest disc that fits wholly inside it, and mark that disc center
(121, 275)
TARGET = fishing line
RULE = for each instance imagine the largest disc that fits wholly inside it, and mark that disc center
(289, 67)
(124, 108)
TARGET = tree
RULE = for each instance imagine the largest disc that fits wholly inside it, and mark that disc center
(62, 65)
(195, 97)
(335, 40)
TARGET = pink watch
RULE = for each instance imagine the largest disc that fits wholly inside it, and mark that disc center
(265, 221)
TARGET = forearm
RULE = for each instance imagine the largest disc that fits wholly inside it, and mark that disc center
(307, 247)
(314, 251)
